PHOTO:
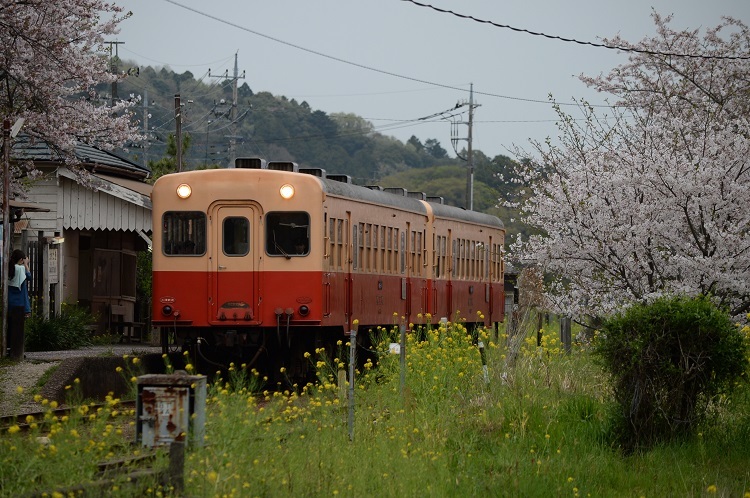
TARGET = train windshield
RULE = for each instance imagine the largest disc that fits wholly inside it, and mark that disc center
(288, 233)
(184, 233)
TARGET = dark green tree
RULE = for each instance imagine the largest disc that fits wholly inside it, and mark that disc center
(168, 164)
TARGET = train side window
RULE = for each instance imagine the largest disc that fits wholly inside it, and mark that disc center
(382, 249)
(355, 245)
(402, 251)
(389, 243)
(331, 229)
(454, 259)
(184, 233)
(340, 248)
(236, 236)
(288, 233)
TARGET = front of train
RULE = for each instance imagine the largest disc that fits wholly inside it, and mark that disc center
(237, 267)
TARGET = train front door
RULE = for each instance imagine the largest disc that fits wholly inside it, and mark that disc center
(234, 262)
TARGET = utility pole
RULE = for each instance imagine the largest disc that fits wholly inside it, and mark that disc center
(469, 159)
(146, 133)
(178, 130)
(113, 68)
(233, 110)
(145, 128)
(469, 150)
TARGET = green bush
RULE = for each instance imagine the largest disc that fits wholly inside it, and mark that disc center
(69, 330)
(668, 360)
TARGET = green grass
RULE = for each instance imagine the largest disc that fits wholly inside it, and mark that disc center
(539, 428)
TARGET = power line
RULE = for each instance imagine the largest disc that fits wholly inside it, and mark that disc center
(222, 61)
(573, 40)
(363, 66)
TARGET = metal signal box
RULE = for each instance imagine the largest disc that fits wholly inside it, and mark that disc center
(169, 408)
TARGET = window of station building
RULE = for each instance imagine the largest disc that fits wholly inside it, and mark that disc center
(184, 233)
(235, 236)
(288, 233)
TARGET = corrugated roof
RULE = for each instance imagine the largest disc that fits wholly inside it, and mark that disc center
(38, 150)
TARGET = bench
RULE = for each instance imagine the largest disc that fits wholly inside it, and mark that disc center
(129, 331)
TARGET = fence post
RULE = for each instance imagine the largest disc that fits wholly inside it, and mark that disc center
(176, 474)
(483, 355)
(352, 367)
(539, 326)
(402, 358)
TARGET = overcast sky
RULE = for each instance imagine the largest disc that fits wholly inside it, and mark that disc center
(391, 61)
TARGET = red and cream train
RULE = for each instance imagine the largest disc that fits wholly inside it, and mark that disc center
(262, 264)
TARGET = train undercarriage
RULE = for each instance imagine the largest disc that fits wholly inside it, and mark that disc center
(285, 357)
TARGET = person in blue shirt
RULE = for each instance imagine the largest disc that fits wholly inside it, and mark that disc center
(19, 306)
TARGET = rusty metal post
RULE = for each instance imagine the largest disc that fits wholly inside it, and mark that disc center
(170, 408)
(176, 474)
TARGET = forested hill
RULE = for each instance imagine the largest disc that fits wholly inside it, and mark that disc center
(280, 129)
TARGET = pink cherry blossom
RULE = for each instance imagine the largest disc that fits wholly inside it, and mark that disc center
(53, 54)
(650, 197)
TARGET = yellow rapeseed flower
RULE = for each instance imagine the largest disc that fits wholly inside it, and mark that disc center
(19, 390)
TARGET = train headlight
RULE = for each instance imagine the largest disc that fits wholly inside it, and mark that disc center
(166, 310)
(286, 191)
(184, 191)
(304, 310)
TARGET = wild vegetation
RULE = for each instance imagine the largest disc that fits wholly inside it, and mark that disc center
(68, 330)
(538, 427)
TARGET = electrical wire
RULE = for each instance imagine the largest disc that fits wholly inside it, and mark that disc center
(579, 42)
(363, 66)
(221, 61)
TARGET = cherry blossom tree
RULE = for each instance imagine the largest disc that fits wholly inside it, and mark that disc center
(52, 55)
(650, 197)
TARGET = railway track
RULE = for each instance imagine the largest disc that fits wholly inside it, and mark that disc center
(24, 421)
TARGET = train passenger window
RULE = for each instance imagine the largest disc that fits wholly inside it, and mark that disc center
(355, 255)
(454, 259)
(288, 233)
(340, 250)
(236, 236)
(184, 233)
(403, 252)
